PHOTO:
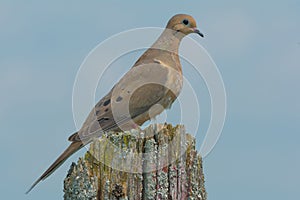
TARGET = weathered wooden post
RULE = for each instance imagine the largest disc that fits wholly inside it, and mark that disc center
(139, 165)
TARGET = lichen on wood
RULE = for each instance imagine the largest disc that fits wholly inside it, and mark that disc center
(79, 183)
(159, 162)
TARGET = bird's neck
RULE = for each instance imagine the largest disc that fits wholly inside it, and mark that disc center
(169, 40)
(164, 50)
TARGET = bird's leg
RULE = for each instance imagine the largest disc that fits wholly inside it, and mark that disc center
(137, 127)
(135, 130)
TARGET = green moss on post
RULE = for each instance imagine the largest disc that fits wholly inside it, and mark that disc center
(139, 165)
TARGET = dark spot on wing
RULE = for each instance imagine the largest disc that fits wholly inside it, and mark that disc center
(106, 110)
(119, 99)
(97, 112)
(106, 102)
(103, 119)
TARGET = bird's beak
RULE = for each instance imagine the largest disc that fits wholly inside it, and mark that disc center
(198, 32)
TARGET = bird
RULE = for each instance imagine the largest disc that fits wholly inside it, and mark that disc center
(154, 79)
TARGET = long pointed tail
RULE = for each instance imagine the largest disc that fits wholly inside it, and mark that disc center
(74, 146)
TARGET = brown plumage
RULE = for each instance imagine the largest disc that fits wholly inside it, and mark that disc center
(155, 78)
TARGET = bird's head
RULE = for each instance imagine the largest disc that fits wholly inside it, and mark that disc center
(184, 24)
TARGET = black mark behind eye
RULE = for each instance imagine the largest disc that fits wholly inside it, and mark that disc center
(106, 102)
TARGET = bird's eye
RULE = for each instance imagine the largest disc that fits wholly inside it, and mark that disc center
(185, 22)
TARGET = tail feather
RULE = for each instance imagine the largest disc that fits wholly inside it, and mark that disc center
(74, 146)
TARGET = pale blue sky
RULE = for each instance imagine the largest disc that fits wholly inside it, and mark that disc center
(256, 45)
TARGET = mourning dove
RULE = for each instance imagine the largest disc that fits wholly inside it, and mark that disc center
(155, 79)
